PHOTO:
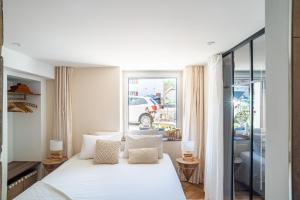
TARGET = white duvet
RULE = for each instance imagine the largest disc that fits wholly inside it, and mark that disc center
(82, 180)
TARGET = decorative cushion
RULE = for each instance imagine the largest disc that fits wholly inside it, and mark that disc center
(143, 141)
(107, 152)
(143, 156)
(88, 147)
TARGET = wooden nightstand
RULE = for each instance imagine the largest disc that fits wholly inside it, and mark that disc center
(51, 164)
(186, 168)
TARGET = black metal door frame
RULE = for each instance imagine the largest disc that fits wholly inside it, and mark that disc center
(231, 51)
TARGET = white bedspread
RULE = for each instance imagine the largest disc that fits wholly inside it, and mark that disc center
(82, 180)
(42, 191)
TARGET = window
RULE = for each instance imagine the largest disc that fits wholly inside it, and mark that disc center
(151, 100)
(137, 101)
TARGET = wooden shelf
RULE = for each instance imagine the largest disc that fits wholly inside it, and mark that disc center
(18, 93)
(16, 168)
(165, 139)
(21, 175)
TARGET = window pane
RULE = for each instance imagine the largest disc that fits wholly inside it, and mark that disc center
(259, 117)
(152, 103)
(242, 65)
(242, 123)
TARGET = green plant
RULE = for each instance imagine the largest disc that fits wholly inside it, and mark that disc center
(241, 114)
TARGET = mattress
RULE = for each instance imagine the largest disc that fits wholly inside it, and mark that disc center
(82, 180)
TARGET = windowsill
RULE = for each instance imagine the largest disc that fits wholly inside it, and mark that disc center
(169, 140)
(164, 140)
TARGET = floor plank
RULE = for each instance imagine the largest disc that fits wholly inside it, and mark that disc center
(193, 191)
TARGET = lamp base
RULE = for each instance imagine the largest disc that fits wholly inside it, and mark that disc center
(56, 155)
(188, 157)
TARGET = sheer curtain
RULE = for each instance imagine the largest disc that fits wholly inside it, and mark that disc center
(63, 109)
(213, 183)
(193, 115)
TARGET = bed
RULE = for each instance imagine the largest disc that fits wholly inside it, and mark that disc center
(258, 171)
(82, 180)
(242, 173)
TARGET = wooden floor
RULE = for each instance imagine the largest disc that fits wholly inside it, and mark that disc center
(245, 196)
(193, 191)
(196, 192)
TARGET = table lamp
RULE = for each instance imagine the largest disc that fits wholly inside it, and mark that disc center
(56, 149)
(187, 148)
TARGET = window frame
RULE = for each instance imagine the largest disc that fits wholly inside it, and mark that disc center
(155, 75)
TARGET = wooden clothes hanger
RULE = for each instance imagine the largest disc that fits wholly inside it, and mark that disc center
(20, 107)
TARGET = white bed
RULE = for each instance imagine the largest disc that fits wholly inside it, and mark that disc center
(82, 180)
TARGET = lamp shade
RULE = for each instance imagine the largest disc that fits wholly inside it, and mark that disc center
(187, 146)
(56, 145)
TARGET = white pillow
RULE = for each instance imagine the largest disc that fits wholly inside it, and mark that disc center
(143, 141)
(88, 147)
(144, 132)
(105, 133)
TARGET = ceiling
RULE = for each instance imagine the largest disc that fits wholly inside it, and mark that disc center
(132, 34)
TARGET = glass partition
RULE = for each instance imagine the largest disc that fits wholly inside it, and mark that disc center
(227, 95)
(259, 117)
(245, 119)
(242, 123)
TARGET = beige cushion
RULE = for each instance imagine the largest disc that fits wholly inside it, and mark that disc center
(143, 156)
(107, 152)
(143, 141)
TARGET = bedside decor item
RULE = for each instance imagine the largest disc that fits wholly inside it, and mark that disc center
(186, 168)
(178, 134)
(187, 148)
(171, 134)
(56, 149)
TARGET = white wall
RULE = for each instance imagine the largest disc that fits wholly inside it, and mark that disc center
(278, 99)
(10, 137)
(95, 102)
(23, 63)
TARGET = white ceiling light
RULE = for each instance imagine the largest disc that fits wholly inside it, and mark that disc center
(209, 43)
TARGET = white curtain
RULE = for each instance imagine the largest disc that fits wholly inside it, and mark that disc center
(213, 183)
(193, 115)
(63, 108)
